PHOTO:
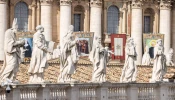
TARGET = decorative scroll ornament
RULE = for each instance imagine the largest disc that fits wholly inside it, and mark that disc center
(137, 4)
(165, 5)
(65, 2)
(96, 3)
(46, 1)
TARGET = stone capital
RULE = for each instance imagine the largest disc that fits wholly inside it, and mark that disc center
(46, 2)
(65, 2)
(3, 1)
(96, 3)
(165, 5)
(137, 4)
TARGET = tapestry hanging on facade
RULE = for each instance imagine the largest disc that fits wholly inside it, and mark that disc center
(84, 43)
(150, 41)
(118, 42)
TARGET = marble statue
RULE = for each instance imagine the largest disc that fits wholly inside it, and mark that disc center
(146, 60)
(99, 56)
(68, 57)
(56, 52)
(12, 54)
(129, 71)
(38, 61)
(169, 58)
(159, 66)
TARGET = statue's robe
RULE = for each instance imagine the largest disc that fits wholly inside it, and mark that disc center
(99, 57)
(146, 60)
(68, 59)
(159, 66)
(130, 69)
(11, 57)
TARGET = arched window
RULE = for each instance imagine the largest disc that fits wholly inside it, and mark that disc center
(78, 18)
(21, 13)
(112, 19)
(148, 20)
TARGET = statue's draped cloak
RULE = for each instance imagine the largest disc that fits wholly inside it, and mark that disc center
(12, 56)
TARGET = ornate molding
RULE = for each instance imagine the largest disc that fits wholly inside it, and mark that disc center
(65, 2)
(46, 1)
(137, 4)
(96, 3)
(165, 5)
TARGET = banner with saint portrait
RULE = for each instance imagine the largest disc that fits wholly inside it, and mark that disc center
(26, 50)
(84, 43)
(118, 42)
(150, 41)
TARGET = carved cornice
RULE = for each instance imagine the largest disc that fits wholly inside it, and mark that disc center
(137, 4)
(46, 1)
(65, 2)
(165, 5)
(96, 3)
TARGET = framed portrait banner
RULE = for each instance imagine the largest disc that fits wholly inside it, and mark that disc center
(84, 43)
(118, 42)
(26, 50)
(150, 41)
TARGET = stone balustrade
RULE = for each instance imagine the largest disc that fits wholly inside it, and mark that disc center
(90, 91)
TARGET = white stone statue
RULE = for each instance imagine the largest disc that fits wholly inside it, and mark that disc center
(169, 58)
(99, 56)
(146, 60)
(56, 52)
(38, 61)
(129, 71)
(159, 66)
(12, 54)
(68, 57)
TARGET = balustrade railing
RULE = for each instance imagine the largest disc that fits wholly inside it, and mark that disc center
(90, 91)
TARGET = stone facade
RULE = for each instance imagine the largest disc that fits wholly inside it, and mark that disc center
(57, 15)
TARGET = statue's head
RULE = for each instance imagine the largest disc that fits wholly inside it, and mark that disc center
(71, 28)
(171, 51)
(40, 28)
(130, 41)
(15, 25)
(159, 42)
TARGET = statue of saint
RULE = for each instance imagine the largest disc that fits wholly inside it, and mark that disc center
(146, 60)
(68, 57)
(12, 54)
(169, 57)
(129, 71)
(39, 56)
(99, 56)
(159, 66)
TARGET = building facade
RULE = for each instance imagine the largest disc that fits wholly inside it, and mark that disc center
(103, 17)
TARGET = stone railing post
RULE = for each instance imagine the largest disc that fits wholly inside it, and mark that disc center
(43, 93)
(14, 94)
(132, 92)
(73, 92)
(102, 93)
(162, 92)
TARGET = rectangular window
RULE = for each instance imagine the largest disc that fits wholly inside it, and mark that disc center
(77, 22)
(147, 23)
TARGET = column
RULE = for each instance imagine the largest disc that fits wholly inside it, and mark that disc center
(173, 29)
(46, 18)
(3, 26)
(33, 15)
(95, 17)
(65, 17)
(136, 28)
(165, 24)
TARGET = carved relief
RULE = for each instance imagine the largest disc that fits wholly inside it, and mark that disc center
(137, 4)
(96, 3)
